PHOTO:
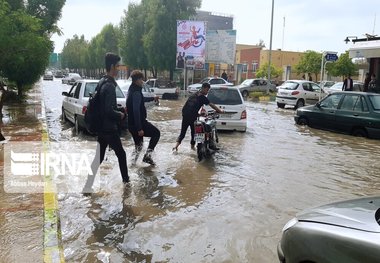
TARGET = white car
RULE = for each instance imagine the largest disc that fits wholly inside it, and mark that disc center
(146, 90)
(298, 93)
(212, 81)
(71, 78)
(75, 101)
(163, 89)
(230, 100)
(358, 86)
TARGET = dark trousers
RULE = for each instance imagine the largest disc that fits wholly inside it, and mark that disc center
(149, 131)
(186, 122)
(113, 140)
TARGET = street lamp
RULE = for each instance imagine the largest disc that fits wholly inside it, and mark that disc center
(349, 37)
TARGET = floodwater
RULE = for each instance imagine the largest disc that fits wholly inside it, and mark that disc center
(230, 208)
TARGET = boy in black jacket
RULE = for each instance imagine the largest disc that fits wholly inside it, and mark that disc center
(138, 126)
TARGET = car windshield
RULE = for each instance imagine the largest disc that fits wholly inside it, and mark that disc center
(224, 96)
(375, 100)
(205, 80)
(337, 86)
(246, 82)
(289, 85)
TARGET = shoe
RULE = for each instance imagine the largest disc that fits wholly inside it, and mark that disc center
(148, 159)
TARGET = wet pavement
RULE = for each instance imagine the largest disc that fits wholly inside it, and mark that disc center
(21, 215)
(230, 208)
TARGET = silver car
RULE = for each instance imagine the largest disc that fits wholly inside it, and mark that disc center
(250, 85)
(347, 231)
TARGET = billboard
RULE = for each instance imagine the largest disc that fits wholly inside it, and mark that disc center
(221, 46)
(191, 44)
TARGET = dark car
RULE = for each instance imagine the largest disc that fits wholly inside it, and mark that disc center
(345, 231)
(350, 112)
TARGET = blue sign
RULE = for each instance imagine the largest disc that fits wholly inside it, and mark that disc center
(331, 57)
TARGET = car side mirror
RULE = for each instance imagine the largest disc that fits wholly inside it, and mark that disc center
(318, 105)
(65, 93)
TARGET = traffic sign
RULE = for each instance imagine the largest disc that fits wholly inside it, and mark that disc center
(331, 57)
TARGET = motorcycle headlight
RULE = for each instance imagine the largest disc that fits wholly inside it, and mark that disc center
(290, 224)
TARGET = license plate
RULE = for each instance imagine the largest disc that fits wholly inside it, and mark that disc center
(226, 116)
(199, 137)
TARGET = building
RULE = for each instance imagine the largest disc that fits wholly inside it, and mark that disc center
(369, 49)
(215, 21)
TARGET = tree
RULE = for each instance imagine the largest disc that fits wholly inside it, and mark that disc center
(161, 34)
(74, 53)
(132, 30)
(310, 63)
(343, 66)
(24, 50)
(263, 71)
(25, 46)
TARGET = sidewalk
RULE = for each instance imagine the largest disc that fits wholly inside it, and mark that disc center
(24, 217)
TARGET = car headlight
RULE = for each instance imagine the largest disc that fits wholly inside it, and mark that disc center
(290, 224)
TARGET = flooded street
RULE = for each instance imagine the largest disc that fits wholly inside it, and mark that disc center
(230, 208)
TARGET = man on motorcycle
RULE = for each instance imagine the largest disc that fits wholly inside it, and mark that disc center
(190, 113)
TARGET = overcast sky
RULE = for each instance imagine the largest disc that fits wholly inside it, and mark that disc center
(319, 25)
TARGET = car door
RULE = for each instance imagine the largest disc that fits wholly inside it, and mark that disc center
(323, 115)
(312, 92)
(67, 103)
(76, 102)
(353, 112)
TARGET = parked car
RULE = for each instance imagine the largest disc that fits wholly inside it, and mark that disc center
(231, 101)
(163, 89)
(346, 231)
(212, 81)
(250, 85)
(350, 112)
(358, 86)
(58, 74)
(298, 93)
(146, 90)
(326, 84)
(71, 78)
(48, 75)
(75, 101)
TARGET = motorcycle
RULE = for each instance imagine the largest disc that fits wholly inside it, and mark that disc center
(206, 135)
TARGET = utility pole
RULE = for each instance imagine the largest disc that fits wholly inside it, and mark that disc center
(270, 43)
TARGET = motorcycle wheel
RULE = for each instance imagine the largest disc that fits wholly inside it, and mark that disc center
(201, 151)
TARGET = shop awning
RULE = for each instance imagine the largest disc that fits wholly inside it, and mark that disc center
(365, 49)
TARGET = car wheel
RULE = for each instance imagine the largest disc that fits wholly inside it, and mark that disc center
(359, 132)
(300, 103)
(303, 121)
(76, 126)
(245, 93)
(63, 116)
(281, 105)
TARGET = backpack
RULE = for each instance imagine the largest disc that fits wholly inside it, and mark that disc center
(93, 114)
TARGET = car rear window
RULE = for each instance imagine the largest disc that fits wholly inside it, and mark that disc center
(90, 88)
(375, 101)
(224, 96)
(289, 85)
